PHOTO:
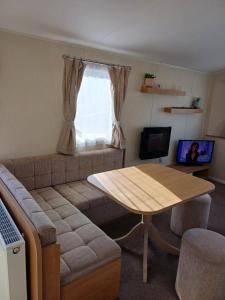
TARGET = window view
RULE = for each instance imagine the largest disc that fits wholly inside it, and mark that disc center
(94, 117)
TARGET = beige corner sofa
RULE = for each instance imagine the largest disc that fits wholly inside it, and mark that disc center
(69, 257)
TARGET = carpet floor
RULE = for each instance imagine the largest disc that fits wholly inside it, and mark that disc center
(162, 267)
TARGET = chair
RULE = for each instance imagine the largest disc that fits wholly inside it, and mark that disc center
(201, 268)
(193, 214)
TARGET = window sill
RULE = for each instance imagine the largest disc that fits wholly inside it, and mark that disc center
(92, 148)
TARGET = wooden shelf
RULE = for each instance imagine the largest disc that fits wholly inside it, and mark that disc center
(216, 136)
(159, 91)
(183, 110)
(189, 169)
(201, 171)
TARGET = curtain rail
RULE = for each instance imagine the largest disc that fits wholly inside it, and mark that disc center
(94, 61)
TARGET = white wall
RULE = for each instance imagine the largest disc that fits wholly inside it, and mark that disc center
(31, 97)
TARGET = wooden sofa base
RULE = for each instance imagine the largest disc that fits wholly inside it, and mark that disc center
(102, 284)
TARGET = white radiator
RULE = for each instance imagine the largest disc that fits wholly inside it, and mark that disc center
(12, 259)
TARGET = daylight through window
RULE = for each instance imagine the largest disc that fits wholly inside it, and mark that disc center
(94, 117)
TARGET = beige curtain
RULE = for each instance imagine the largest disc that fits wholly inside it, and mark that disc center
(73, 73)
(119, 78)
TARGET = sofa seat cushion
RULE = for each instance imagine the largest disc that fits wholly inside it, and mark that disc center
(84, 249)
(83, 245)
(82, 194)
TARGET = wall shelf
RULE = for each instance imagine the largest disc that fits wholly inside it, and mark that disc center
(201, 171)
(183, 110)
(216, 136)
(159, 91)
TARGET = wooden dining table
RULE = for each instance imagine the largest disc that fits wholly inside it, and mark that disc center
(149, 189)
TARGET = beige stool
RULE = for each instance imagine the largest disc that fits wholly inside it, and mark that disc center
(193, 214)
(201, 268)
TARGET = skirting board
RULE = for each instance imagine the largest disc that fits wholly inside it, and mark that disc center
(217, 179)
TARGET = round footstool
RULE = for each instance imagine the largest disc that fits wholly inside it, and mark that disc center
(201, 268)
(193, 214)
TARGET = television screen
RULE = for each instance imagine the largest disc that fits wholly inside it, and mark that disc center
(194, 152)
(155, 142)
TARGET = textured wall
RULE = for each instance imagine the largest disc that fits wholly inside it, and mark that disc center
(31, 97)
(215, 123)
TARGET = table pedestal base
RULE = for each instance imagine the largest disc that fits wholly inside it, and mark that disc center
(149, 231)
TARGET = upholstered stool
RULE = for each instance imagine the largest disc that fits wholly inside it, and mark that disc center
(193, 214)
(201, 268)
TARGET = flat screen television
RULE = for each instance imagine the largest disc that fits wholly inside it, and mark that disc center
(195, 152)
(155, 142)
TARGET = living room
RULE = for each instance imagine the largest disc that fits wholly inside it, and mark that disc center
(47, 60)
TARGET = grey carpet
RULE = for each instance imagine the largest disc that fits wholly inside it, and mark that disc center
(162, 267)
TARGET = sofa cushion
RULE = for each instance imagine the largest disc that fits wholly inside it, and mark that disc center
(93, 203)
(43, 225)
(109, 212)
(82, 194)
(83, 246)
(83, 249)
(49, 170)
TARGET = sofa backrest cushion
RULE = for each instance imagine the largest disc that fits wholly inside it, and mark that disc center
(44, 226)
(49, 170)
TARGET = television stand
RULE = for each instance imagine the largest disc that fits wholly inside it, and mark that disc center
(200, 171)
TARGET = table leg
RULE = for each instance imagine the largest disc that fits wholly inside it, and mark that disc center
(146, 220)
(163, 244)
(137, 229)
(150, 232)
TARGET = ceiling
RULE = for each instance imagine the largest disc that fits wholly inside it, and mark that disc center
(186, 33)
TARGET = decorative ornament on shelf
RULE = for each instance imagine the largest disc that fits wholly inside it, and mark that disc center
(150, 86)
(196, 102)
(149, 80)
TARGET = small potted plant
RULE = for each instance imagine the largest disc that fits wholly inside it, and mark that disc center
(149, 79)
(196, 102)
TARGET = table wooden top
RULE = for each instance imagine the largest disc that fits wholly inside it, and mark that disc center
(150, 188)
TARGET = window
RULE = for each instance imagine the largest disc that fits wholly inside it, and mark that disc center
(94, 117)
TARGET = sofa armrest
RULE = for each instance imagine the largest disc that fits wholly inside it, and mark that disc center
(44, 226)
